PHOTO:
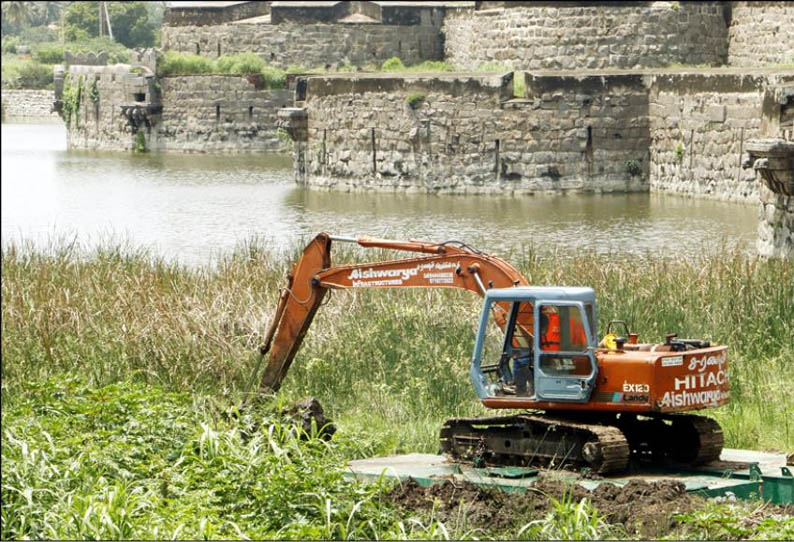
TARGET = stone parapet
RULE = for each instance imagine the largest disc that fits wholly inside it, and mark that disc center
(761, 33)
(699, 124)
(310, 45)
(28, 104)
(587, 35)
(219, 113)
(465, 133)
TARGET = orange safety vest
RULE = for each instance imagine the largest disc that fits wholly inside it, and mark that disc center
(551, 339)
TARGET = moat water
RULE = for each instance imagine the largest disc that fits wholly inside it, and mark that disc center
(192, 207)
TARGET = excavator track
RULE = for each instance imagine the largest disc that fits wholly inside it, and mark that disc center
(535, 440)
(604, 447)
(700, 439)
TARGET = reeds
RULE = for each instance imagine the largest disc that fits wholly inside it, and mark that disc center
(119, 370)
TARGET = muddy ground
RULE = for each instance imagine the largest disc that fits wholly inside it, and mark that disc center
(643, 509)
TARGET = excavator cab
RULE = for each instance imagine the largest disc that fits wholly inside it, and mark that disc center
(546, 348)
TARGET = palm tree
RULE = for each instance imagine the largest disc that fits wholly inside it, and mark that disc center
(19, 13)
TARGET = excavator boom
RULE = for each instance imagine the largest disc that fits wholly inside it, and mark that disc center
(444, 265)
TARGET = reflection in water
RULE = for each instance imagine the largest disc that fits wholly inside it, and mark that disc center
(191, 207)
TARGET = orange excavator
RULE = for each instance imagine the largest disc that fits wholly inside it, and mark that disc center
(594, 405)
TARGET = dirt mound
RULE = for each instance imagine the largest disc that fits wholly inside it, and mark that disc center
(308, 412)
(640, 507)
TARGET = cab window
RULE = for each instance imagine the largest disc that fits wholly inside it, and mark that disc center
(562, 329)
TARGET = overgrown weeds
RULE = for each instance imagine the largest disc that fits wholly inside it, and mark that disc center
(120, 369)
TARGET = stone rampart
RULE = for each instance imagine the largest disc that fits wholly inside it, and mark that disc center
(587, 35)
(28, 104)
(310, 45)
(219, 113)
(210, 13)
(761, 33)
(464, 133)
(212, 113)
(95, 120)
(668, 131)
(699, 123)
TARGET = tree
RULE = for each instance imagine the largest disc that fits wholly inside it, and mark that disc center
(19, 13)
(129, 21)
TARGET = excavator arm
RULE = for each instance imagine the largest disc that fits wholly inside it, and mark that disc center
(442, 265)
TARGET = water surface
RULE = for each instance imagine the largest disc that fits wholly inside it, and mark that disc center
(191, 207)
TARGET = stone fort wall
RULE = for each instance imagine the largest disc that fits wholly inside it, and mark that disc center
(761, 33)
(587, 35)
(310, 45)
(29, 104)
(465, 133)
(214, 113)
(699, 125)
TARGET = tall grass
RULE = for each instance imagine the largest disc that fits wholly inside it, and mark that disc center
(397, 359)
(120, 372)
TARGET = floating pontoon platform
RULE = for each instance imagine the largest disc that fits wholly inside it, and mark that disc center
(744, 474)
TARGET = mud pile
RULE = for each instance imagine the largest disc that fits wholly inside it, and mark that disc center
(641, 508)
(308, 413)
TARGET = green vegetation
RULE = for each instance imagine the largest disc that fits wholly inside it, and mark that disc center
(36, 35)
(679, 150)
(140, 142)
(415, 100)
(18, 73)
(395, 64)
(93, 91)
(174, 63)
(633, 168)
(72, 96)
(129, 22)
(120, 372)
(569, 520)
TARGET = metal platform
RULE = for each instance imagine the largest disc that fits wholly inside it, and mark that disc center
(743, 473)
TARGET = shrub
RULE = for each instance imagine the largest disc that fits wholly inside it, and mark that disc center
(34, 75)
(679, 152)
(9, 45)
(49, 53)
(415, 100)
(274, 77)
(243, 64)
(37, 34)
(174, 63)
(633, 168)
(393, 64)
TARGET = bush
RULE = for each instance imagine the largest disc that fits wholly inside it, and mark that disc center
(37, 34)
(10, 44)
(394, 64)
(243, 64)
(415, 100)
(34, 75)
(174, 63)
(50, 53)
(274, 77)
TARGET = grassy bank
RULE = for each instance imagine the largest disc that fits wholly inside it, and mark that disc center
(119, 370)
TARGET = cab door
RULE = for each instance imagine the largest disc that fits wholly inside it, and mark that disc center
(565, 365)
